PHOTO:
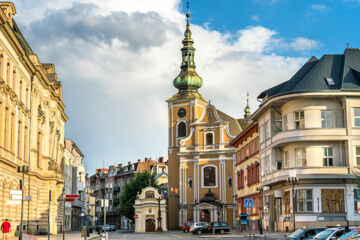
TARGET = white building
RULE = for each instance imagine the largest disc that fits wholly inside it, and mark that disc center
(310, 128)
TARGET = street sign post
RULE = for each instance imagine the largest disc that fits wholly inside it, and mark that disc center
(249, 203)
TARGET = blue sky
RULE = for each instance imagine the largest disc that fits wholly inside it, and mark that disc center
(117, 59)
(332, 22)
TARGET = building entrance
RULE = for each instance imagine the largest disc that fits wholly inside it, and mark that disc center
(150, 225)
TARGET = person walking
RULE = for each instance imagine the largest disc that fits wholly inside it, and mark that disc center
(6, 229)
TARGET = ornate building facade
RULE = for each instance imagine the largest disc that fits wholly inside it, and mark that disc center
(32, 123)
(200, 160)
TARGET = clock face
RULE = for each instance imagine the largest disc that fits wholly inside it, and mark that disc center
(182, 112)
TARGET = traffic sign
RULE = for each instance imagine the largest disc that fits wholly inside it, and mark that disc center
(72, 196)
(248, 203)
(135, 216)
(69, 199)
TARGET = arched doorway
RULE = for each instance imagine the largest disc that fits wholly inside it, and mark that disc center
(205, 215)
(150, 225)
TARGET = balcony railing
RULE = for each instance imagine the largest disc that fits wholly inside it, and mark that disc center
(116, 189)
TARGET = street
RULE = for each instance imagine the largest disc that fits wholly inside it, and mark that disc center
(162, 236)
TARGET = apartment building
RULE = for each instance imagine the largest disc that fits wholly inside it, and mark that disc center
(309, 135)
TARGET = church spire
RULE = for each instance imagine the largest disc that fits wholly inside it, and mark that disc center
(188, 80)
(247, 109)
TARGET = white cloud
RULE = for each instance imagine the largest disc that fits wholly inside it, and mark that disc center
(319, 7)
(117, 63)
(255, 18)
(301, 44)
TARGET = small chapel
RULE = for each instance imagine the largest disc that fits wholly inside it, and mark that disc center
(201, 161)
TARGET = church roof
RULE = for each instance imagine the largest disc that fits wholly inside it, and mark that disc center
(234, 125)
(330, 73)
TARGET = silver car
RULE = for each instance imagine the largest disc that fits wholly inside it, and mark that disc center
(330, 234)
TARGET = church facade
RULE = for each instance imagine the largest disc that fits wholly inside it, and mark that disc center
(201, 161)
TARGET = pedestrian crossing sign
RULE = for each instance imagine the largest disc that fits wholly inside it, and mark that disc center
(248, 203)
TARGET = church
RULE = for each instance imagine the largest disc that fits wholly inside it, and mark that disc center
(201, 161)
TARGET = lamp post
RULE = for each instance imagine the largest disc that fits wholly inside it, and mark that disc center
(293, 180)
(159, 228)
(22, 169)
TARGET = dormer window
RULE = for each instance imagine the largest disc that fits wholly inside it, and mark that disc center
(329, 81)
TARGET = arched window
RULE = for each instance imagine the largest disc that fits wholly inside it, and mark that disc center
(181, 129)
(209, 138)
(209, 176)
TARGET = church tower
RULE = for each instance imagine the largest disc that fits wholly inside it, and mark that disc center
(201, 162)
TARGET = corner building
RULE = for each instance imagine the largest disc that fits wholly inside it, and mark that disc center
(201, 162)
(32, 122)
(309, 129)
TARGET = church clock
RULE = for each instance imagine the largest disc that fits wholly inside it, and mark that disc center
(181, 113)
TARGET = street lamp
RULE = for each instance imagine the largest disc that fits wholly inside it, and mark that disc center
(293, 180)
(159, 229)
(22, 169)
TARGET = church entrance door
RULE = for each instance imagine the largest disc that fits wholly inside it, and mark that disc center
(205, 215)
(150, 225)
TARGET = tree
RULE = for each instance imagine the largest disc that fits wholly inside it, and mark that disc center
(128, 196)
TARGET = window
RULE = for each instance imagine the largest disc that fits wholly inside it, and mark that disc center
(355, 199)
(299, 120)
(286, 159)
(357, 117)
(149, 194)
(240, 179)
(332, 200)
(181, 129)
(255, 141)
(209, 176)
(358, 156)
(262, 133)
(287, 202)
(304, 200)
(300, 157)
(209, 138)
(330, 81)
(285, 123)
(267, 130)
(328, 157)
(326, 119)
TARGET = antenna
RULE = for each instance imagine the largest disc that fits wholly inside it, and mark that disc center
(350, 35)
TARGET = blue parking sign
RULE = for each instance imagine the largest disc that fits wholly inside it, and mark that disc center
(248, 203)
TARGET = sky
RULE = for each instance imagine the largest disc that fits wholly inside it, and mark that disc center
(117, 59)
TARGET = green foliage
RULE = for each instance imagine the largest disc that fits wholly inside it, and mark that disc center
(128, 196)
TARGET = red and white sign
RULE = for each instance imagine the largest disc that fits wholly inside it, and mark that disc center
(71, 197)
(135, 216)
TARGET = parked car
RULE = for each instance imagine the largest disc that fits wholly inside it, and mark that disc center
(220, 227)
(199, 227)
(304, 234)
(105, 228)
(355, 232)
(112, 228)
(186, 227)
(330, 234)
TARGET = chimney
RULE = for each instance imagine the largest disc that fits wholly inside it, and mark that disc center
(139, 160)
(161, 159)
(9, 10)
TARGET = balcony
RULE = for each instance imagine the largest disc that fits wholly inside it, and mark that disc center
(319, 172)
(116, 189)
(116, 200)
